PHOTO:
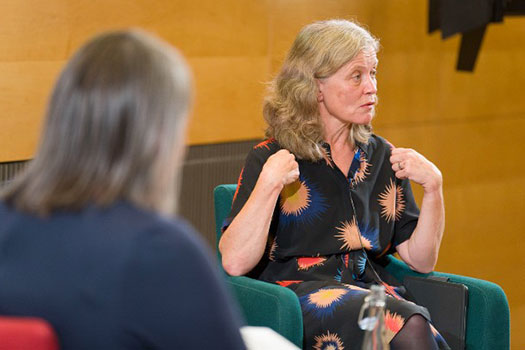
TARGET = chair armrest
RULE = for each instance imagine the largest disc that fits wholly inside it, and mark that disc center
(269, 305)
(488, 315)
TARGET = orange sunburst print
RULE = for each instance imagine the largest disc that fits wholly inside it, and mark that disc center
(239, 183)
(434, 330)
(273, 248)
(326, 297)
(326, 158)
(286, 283)
(295, 198)
(306, 263)
(328, 341)
(265, 143)
(352, 287)
(349, 234)
(393, 324)
(392, 202)
(362, 172)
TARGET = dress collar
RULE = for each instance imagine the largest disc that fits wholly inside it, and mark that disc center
(364, 147)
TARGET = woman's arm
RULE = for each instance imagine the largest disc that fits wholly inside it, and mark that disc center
(421, 251)
(242, 244)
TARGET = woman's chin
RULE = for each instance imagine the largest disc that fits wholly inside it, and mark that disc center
(364, 119)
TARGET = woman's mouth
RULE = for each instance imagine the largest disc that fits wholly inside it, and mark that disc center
(368, 105)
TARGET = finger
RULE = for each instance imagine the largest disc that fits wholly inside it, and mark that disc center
(287, 153)
(400, 164)
(401, 174)
(290, 165)
(284, 153)
(400, 150)
(403, 158)
(395, 166)
(293, 171)
(292, 176)
(397, 158)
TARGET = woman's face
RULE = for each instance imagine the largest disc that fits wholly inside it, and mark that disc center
(349, 95)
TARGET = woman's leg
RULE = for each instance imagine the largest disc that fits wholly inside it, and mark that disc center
(415, 335)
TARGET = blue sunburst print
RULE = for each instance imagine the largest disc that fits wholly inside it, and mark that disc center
(359, 266)
(300, 202)
(323, 302)
(371, 234)
(339, 275)
(328, 341)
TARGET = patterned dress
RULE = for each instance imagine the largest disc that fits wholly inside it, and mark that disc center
(318, 248)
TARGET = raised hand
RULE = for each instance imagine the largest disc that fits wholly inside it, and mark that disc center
(409, 164)
(280, 169)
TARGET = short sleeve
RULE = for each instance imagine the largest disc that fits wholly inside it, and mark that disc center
(249, 176)
(407, 222)
(173, 297)
(396, 198)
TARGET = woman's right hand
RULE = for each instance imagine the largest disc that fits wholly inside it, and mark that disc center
(242, 244)
(280, 169)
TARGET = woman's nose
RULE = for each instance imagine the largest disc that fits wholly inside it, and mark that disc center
(370, 86)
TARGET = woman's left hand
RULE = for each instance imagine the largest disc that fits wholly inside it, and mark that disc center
(409, 164)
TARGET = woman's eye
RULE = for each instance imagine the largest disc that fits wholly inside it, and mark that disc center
(373, 73)
(356, 77)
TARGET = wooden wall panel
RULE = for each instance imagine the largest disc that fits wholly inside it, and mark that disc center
(229, 91)
(33, 30)
(22, 102)
(203, 28)
(226, 43)
(470, 124)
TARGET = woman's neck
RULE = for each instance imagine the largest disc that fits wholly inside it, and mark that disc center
(341, 147)
(335, 132)
(337, 135)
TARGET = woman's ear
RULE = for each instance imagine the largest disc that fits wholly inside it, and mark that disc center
(319, 90)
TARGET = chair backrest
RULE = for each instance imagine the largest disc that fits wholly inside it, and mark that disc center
(223, 197)
(26, 333)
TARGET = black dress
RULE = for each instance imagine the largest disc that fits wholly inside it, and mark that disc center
(315, 244)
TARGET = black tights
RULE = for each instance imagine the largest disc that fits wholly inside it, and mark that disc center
(415, 335)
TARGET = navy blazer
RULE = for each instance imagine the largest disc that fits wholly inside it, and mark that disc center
(115, 278)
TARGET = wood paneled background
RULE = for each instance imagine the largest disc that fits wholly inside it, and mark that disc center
(471, 125)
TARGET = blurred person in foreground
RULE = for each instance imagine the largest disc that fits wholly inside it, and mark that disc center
(323, 198)
(87, 241)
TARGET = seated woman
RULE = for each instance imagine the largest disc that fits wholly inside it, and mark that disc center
(86, 237)
(323, 199)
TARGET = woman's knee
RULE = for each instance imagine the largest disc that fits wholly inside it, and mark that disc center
(415, 334)
(417, 324)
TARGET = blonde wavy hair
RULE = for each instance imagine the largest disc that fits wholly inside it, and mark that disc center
(290, 108)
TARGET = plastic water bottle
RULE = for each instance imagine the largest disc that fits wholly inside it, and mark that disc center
(372, 320)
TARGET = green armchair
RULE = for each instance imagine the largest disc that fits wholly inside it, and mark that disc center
(270, 305)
